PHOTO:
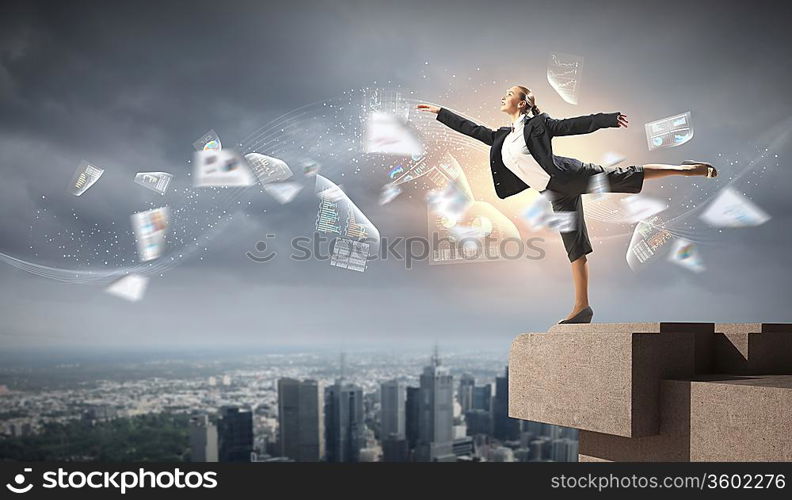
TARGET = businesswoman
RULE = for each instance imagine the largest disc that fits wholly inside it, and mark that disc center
(521, 156)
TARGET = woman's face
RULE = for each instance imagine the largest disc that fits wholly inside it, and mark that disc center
(510, 102)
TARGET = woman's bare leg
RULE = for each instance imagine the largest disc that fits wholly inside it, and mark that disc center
(580, 278)
(655, 170)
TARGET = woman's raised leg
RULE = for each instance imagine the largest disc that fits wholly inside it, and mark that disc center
(655, 170)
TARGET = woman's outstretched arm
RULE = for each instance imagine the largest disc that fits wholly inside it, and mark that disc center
(586, 124)
(456, 122)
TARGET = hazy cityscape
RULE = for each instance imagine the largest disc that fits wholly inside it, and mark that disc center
(285, 406)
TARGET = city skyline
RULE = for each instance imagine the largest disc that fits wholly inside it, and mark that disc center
(304, 391)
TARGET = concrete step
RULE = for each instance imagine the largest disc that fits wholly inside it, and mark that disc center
(715, 418)
(606, 378)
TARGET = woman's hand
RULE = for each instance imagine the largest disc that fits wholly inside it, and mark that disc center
(428, 107)
(623, 120)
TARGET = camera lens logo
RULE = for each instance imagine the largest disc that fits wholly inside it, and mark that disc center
(20, 479)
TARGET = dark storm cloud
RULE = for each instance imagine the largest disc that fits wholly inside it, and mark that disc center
(130, 85)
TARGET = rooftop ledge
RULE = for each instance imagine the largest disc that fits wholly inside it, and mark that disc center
(628, 385)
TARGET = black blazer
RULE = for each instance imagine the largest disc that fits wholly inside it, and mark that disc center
(538, 130)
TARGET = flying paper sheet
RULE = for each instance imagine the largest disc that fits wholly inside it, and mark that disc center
(386, 101)
(310, 168)
(598, 185)
(149, 228)
(283, 192)
(563, 74)
(540, 214)
(349, 254)
(450, 202)
(563, 222)
(686, 254)
(395, 171)
(462, 229)
(461, 232)
(669, 132)
(220, 168)
(639, 207)
(537, 212)
(647, 242)
(420, 168)
(208, 141)
(731, 209)
(130, 287)
(332, 193)
(268, 169)
(481, 234)
(389, 192)
(337, 214)
(156, 181)
(386, 134)
(84, 177)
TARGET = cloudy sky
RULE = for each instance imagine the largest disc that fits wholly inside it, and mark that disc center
(130, 87)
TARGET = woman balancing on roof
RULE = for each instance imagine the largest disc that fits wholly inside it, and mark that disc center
(521, 156)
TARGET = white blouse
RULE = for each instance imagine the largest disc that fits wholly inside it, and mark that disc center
(518, 159)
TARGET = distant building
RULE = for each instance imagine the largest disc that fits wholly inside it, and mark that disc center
(564, 450)
(482, 397)
(522, 455)
(502, 454)
(235, 434)
(203, 439)
(344, 424)
(99, 413)
(459, 431)
(536, 429)
(465, 393)
(463, 447)
(392, 415)
(478, 422)
(540, 450)
(412, 414)
(505, 428)
(395, 450)
(436, 414)
(300, 421)
(369, 455)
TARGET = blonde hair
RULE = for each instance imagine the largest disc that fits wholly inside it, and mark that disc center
(529, 99)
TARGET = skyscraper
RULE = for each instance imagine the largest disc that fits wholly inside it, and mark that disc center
(393, 419)
(436, 414)
(344, 424)
(465, 394)
(300, 423)
(505, 427)
(395, 450)
(203, 439)
(412, 414)
(235, 434)
(478, 422)
(482, 397)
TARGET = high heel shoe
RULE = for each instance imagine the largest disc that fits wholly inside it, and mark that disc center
(711, 171)
(584, 316)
